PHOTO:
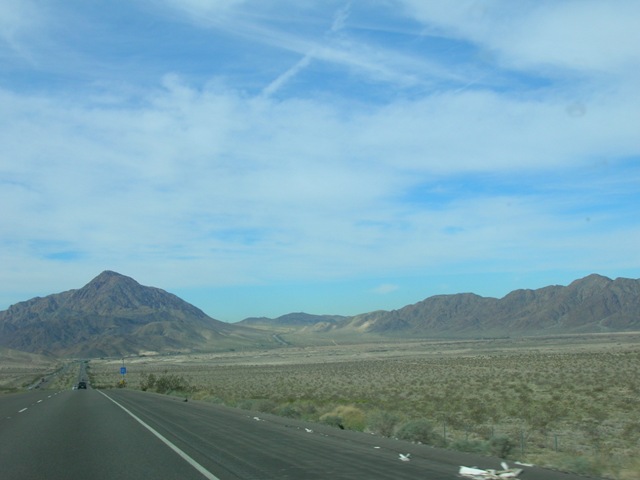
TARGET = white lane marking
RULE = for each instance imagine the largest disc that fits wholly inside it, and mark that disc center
(39, 401)
(187, 458)
(20, 411)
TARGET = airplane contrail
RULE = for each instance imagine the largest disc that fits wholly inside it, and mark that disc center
(338, 23)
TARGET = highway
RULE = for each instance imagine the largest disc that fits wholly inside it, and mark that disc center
(124, 434)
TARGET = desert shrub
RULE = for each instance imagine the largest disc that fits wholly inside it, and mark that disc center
(147, 382)
(208, 397)
(263, 405)
(307, 408)
(332, 419)
(345, 416)
(353, 417)
(246, 404)
(501, 446)
(631, 431)
(288, 410)
(170, 382)
(471, 446)
(214, 399)
(382, 422)
(419, 430)
(630, 470)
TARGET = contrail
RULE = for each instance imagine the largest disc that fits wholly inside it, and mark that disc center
(274, 86)
(339, 20)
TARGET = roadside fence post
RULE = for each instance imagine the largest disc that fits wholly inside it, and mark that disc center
(444, 431)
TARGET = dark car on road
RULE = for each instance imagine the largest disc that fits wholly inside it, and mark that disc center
(82, 385)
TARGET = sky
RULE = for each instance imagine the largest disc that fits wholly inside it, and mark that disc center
(263, 157)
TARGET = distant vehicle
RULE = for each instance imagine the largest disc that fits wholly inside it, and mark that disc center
(82, 385)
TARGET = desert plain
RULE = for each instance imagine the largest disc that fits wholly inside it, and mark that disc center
(567, 401)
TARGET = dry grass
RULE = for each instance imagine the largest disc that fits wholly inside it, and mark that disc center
(569, 402)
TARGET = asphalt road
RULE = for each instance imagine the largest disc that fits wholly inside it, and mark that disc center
(121, 434)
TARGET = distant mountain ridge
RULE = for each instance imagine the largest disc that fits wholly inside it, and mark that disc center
(297, 319)
(113, 315)
(588, 305)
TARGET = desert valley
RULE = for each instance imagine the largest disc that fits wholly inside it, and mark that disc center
(544, 376)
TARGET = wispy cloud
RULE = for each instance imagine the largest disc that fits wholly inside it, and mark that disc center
(18, 21)
(582, 35)
(385, 288)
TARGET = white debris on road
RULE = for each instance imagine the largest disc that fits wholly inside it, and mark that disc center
(489, 474)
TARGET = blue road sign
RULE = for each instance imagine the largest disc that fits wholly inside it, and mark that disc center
(123, 370)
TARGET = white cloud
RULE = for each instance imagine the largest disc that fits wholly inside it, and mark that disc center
(385, 288)
(570, 34)
(220, 182)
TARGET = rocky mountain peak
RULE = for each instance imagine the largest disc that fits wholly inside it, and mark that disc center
(111, 292)
(591, 281)
(112, 314)
(109, 276)
(106, 281)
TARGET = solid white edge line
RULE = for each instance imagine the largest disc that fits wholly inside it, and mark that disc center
(184, 456)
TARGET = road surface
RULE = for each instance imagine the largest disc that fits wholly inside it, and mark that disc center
(122, 434)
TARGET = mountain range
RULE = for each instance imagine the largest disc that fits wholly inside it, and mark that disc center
(114, 315)
(591, 304)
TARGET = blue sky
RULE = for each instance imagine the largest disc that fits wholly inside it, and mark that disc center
(260, 157)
